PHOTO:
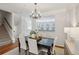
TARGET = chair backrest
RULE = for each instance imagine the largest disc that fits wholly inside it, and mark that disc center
(22, 41)
(33, 46)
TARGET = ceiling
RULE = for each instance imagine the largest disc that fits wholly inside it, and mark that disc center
(29, 7)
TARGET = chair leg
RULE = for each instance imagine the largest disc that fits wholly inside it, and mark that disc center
(54, 52)
(25, 52)
(29, 53)
(19, 50)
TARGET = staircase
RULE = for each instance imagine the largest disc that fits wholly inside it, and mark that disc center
(4, 37)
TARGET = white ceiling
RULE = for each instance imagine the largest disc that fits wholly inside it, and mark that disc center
(29, 7)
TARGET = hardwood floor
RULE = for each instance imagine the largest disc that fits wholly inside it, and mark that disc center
(8, 47)
(5, 41)
(59, 46)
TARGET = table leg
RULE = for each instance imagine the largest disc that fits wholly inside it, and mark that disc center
(49, 51)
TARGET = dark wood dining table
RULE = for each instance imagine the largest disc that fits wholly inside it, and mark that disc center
(46, 43)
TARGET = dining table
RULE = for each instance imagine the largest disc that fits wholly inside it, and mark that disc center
(46, 43)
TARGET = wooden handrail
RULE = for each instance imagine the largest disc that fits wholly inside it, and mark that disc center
(7, 23)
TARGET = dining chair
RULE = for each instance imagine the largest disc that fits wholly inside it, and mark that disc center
(53, 48)
(33, 48)
(22, 43)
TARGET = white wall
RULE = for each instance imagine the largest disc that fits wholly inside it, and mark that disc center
(27, 22)
(77, 13)
(60, 24)
(73, 15)
(17, 25)
(20, 23)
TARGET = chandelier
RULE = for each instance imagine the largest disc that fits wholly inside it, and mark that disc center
(35, 14)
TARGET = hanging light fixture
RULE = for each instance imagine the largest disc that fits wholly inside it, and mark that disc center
(35, 14)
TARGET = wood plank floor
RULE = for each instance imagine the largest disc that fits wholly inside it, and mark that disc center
(8, 47)
(5, 41)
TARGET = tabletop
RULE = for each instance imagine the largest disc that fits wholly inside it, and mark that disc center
(46, 42)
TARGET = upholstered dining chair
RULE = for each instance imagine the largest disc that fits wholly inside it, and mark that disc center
(33, 46)
(22, 43)
(53, 48)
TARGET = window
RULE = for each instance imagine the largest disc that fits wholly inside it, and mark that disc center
(46, 24)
